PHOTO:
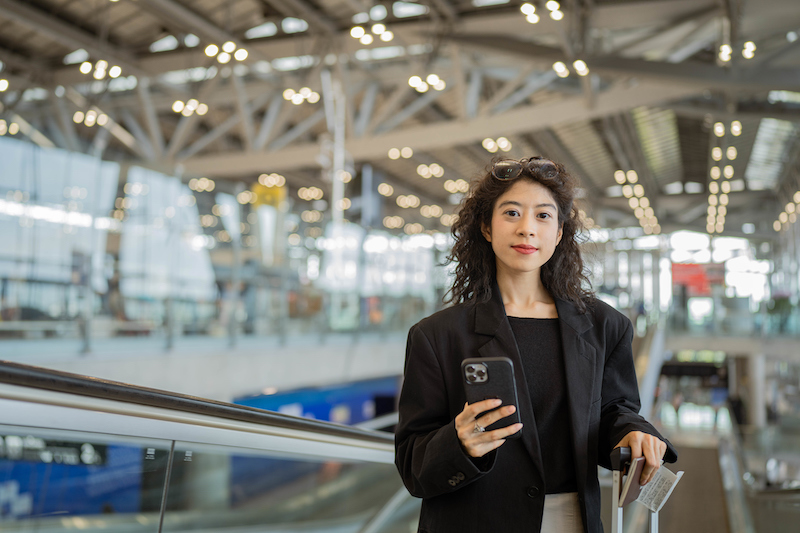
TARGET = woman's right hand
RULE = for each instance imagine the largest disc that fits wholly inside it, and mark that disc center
(476, 443)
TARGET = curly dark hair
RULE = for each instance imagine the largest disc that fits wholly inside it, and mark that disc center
(563, 275)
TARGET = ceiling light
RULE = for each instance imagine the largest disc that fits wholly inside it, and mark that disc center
(387, 36)
(223, 57)
(728, 171)
(394, 153)
(288, 93)
(414, 81)
(229, 47)
(736, 128)
(556, 15)
(731, 152)
(86, 67)
(440, 85)
(378, 12)
(715, 173)
(527, 9)
(406, 152)
(632, 176)
(432, 79)
(202, 109)
(504, 144)
(240, 54)
(78, 117)
(533, 18)
(378, 29)
(366, 39)
(552, 5)
(177, 106)
(115, 72)
(716, 153)
(422, 87)
(619, 176)
(719, 129)
(357, 32)
(211, 50)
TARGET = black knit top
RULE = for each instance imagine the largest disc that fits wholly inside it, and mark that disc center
(539, 342)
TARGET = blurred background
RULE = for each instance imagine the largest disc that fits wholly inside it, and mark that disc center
(247, 203)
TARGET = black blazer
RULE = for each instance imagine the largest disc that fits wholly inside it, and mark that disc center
(504, 490)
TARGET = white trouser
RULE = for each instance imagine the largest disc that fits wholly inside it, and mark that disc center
(562, 513)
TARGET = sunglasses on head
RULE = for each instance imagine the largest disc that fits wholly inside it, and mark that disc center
(509, 169)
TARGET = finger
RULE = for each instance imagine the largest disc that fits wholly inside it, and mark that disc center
(498, 414)
(636, 448)
(485, 405)
(502, 433)
(652, 462)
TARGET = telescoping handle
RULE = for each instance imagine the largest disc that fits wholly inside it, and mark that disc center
(621, 459)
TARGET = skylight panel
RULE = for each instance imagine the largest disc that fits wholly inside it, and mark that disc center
(773, 141)
(268, 29)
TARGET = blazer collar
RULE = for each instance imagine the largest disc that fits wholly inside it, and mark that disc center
(490, 315)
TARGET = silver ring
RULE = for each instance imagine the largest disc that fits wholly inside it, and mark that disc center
(478, 428)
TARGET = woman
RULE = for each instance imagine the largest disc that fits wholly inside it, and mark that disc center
(519, 292)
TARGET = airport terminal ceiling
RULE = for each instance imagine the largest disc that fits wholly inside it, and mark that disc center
(701, 98)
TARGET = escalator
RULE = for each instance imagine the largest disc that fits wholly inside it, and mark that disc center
(100, 456)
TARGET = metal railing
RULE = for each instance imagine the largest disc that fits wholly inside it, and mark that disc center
(78, 452)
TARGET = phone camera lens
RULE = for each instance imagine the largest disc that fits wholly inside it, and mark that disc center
(471, 377)
(470, 368)
(481, 373)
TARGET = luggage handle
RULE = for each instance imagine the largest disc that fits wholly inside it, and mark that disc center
(620, 460)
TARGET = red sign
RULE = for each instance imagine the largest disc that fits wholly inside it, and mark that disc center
(698, 278)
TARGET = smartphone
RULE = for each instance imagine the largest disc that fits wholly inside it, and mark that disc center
(492, 377)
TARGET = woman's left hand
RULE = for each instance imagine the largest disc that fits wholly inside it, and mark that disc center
(648, 446)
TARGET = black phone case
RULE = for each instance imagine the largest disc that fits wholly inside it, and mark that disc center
(500, 384)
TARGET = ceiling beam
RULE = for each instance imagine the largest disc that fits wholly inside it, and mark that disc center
(190, 20)
(700, 75)
(447, 134)
(68, 35)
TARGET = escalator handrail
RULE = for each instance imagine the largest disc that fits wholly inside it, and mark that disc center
(55, 380)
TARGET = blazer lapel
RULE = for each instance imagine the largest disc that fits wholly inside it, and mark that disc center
(579, 362)
(490, 320)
